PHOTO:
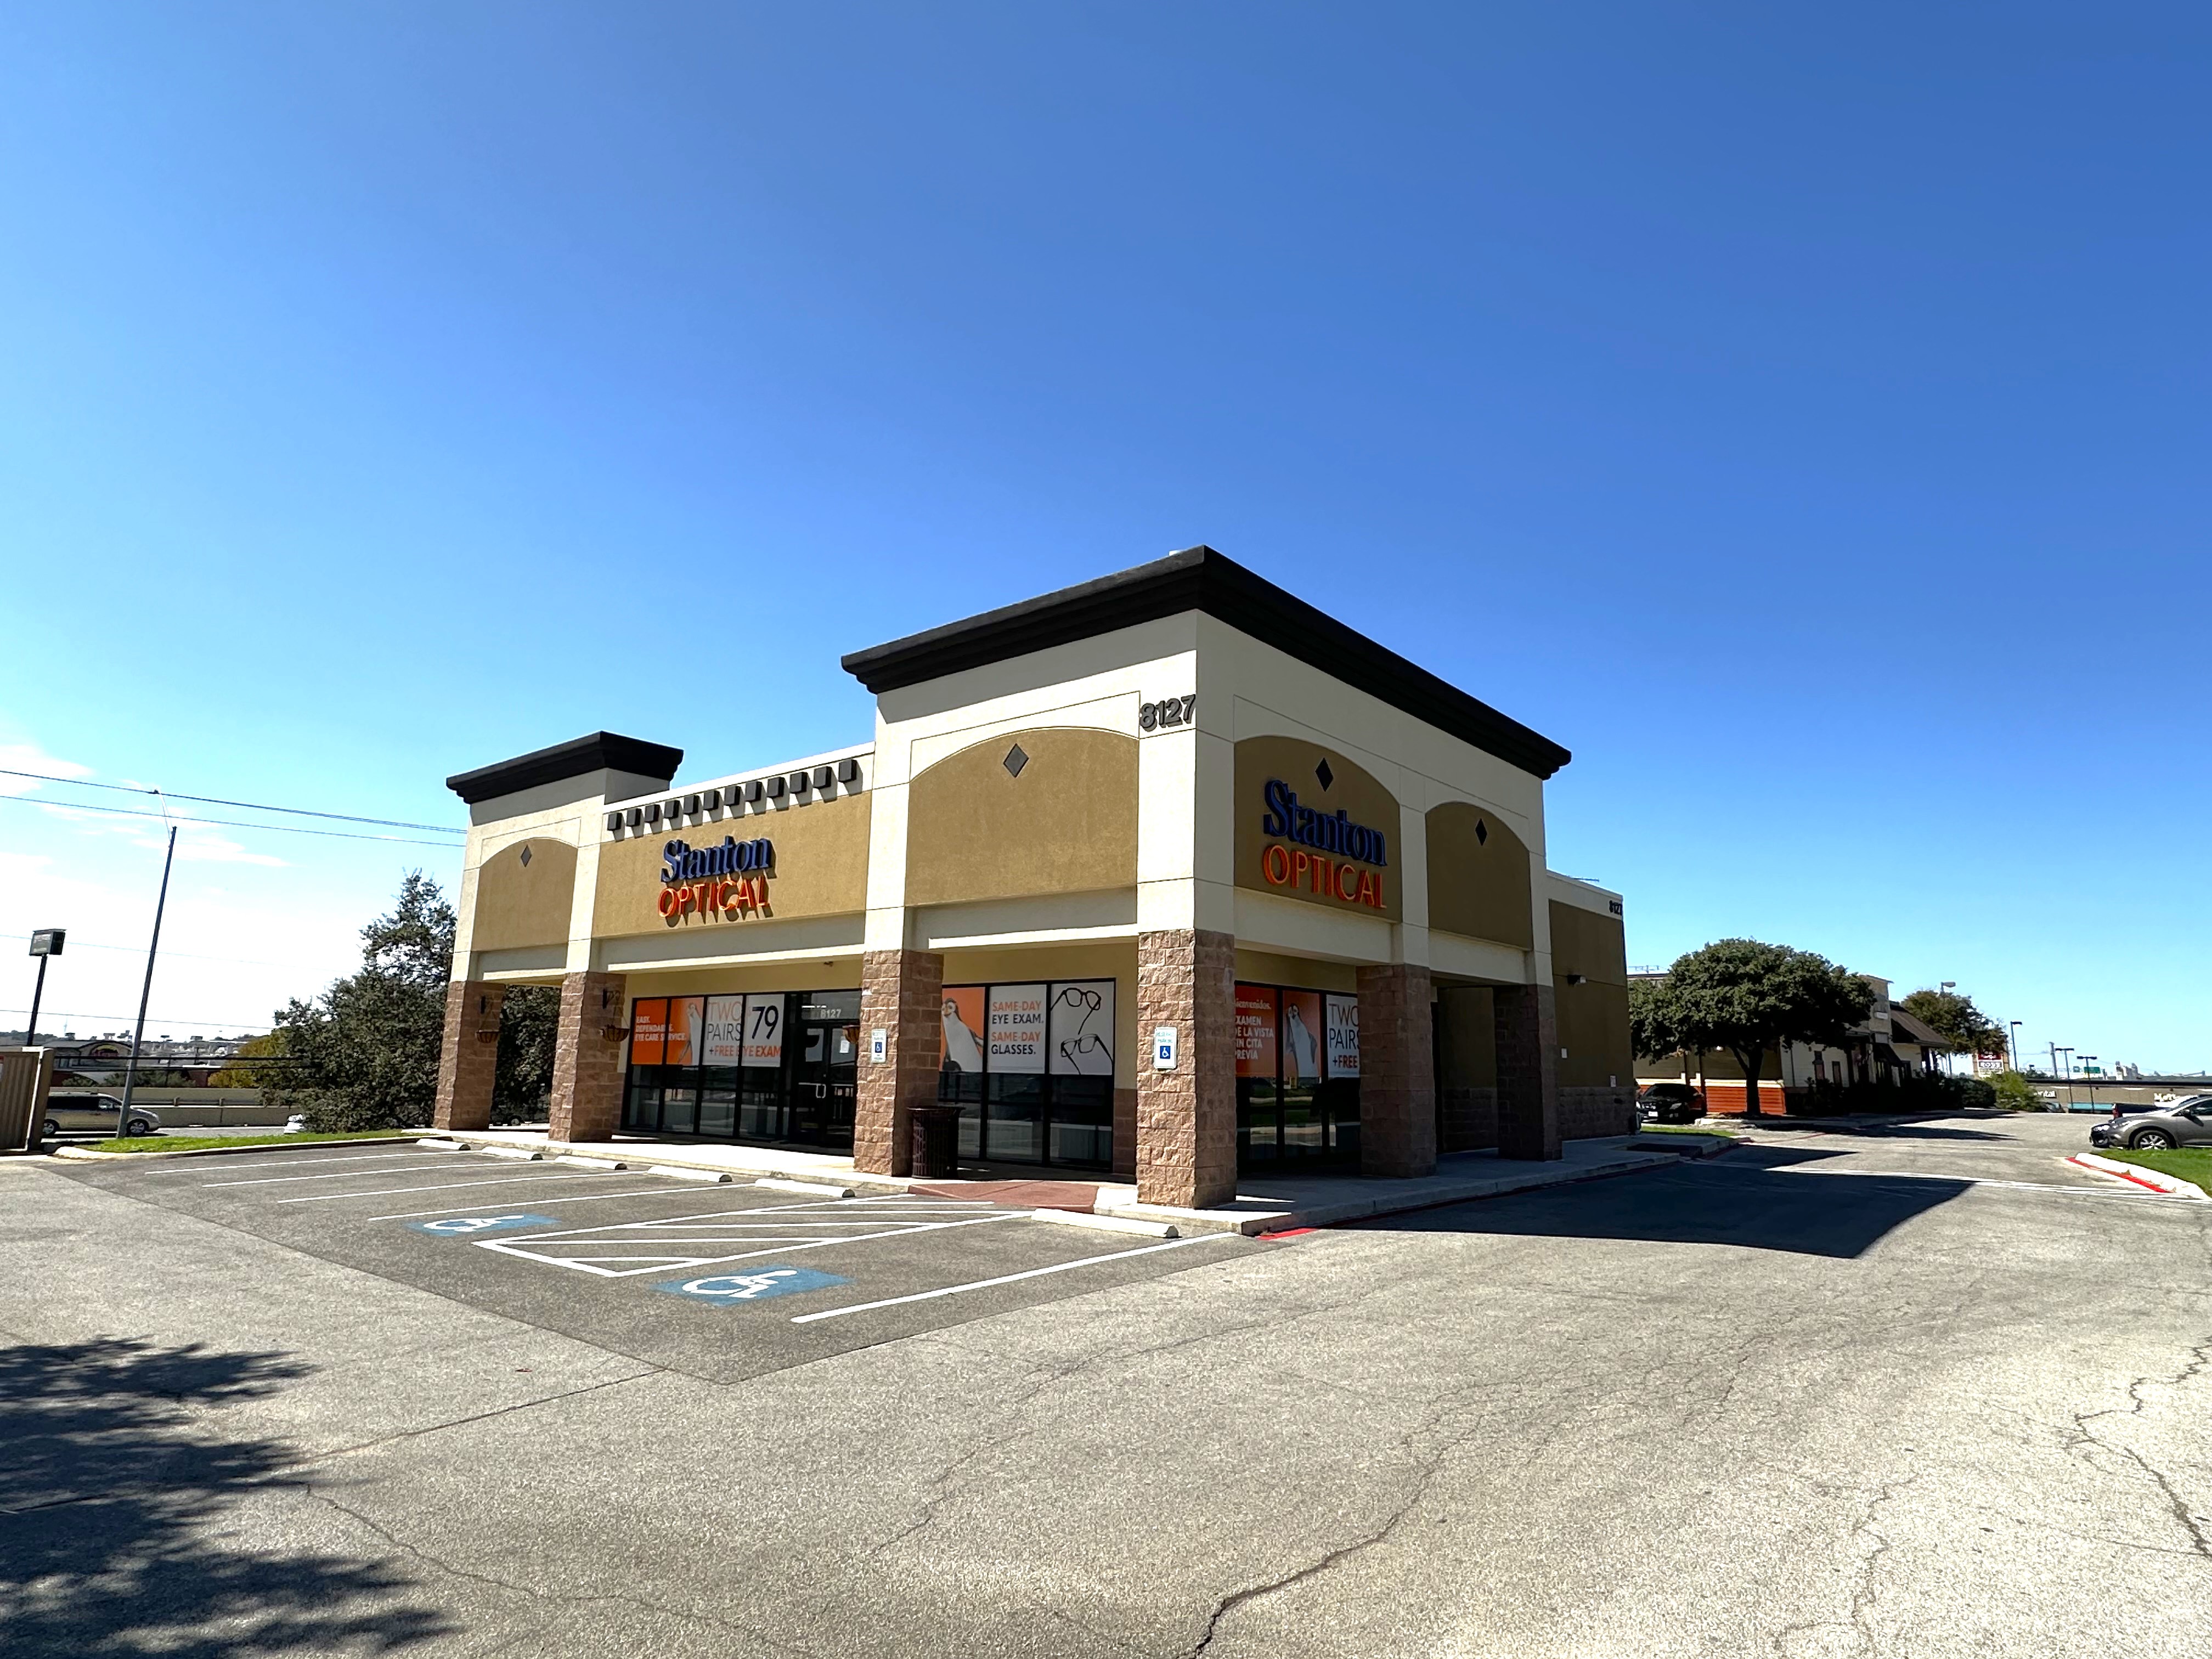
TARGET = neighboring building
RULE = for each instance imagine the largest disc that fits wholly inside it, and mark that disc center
(1891, 1045)
(1170, 874)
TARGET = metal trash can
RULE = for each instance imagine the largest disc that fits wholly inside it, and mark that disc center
(936, 1141)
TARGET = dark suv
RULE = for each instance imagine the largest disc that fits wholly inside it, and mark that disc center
(1668, 1103)
(2183, 1122)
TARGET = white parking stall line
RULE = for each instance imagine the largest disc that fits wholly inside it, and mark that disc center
(387, 1192)
(188, 1167)
(1006, 1278)
(638, 1243)
(543, 1203)
(343, 1175)
(1956, 1180)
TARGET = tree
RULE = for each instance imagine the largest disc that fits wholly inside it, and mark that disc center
(1957, 1021)
(2015, 1094)
(1654, 1026)
(366, 1052)
(529, 1022)
(1745, 996)
(267, 1046)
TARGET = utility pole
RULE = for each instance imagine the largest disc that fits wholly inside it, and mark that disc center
(2012, 1050)
(138, 1036)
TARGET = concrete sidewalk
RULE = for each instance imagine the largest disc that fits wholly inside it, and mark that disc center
(1270, 1205)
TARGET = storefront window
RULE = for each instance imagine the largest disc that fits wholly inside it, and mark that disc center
(1031, 1066)
(1297, 1077)
(722, 1065)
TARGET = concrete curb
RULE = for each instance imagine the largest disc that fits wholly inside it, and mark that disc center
(1702, 1144)
(1108, 1223)
(69, 1149)
(2157, 1180)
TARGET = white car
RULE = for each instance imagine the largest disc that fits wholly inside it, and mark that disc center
(92, 1111)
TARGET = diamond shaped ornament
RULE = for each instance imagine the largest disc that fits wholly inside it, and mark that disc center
(525, 855)
(1481, 833)
(1326, 776)
(1015, 761)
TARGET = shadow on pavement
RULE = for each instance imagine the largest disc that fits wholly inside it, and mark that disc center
(1752, 1199)
(116, 1479)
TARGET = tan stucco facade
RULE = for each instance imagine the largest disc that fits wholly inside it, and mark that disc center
(1096, 806)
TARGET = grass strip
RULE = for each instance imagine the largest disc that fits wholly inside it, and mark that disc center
(204, 1143)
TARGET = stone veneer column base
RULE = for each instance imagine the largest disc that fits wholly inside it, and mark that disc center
(1187, 1118)
(901, 996)
(587, 1057)
(1527, 1071)
(469, 1054)
(1397, 1072)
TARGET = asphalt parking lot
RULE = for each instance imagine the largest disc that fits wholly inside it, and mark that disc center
(1906, 1392)
(657, 1266)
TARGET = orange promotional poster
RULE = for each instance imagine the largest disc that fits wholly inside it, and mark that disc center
(648, 1031)
(685, 1016)
(1255, 1031)
(962, 1049)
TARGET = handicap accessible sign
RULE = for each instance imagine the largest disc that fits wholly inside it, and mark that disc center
(732, 1288)
(468, 1226)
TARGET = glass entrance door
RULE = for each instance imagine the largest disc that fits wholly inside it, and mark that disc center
(826, 1073)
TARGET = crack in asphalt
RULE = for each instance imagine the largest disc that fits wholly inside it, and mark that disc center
(2196, 1526)
(537, 1594)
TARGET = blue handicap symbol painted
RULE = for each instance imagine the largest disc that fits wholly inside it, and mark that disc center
(758, 1286)
(467, 1227)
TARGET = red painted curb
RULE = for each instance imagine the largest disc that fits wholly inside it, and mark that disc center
(2124, 1175)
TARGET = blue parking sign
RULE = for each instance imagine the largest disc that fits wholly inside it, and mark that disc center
(760, 1285)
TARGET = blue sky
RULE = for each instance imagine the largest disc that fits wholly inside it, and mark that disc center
(1801, 416)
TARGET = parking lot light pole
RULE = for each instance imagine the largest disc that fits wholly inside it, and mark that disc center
(145, 991)
(45, 942)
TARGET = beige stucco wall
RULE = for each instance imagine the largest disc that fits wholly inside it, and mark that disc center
(1479, 884)
(1351, 789)
(520, 903)
(1066, 823)
(821, 870)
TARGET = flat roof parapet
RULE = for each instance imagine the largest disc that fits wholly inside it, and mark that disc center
(1199, 579)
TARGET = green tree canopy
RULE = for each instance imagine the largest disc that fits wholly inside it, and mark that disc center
(366, 1051)
(1744, 996)
(1957, 1021)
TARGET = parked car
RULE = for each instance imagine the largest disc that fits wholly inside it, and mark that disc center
(94, 1111)
(2186, 1122)
(1668, 1103)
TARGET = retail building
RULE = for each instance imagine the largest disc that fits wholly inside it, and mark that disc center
(1171, 875)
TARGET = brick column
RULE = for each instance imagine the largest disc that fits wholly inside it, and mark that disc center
(902, 996)
(1527, 1071)
(1187, 1118)
(1397, 1072)
(587, 1057)
(469, 1054)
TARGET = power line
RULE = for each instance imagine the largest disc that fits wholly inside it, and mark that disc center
(45, 1014)
(232, 823)
(217, 800)
(76, 944)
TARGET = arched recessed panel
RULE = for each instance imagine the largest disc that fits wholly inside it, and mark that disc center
(1479, 879)
(524, 894)
(1051, 810)
(1315, 826)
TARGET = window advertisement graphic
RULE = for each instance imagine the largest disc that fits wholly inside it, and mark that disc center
(1080, 1033)
(722, 1039)
(1302, 1036)
(685, 1016)
(1344, 1037)
(1255, 1031)
(964, 1028)
(648, 1031)
(763, 1044)
(1016, 1040)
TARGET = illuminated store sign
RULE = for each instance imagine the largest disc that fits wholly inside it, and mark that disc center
(1287, 867)
(728, 880)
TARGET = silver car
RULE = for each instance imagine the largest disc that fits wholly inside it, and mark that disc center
(92, 1111)
(2183, 1122)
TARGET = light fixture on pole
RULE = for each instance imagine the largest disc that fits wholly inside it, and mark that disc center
(45, 942)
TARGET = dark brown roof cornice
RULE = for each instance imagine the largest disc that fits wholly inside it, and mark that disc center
(607, 749)
(1199, 579)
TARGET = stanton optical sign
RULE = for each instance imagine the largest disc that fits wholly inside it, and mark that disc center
(1339, 847)
(730, 879)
